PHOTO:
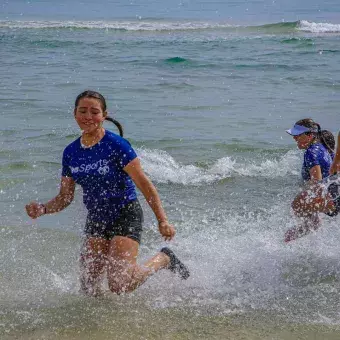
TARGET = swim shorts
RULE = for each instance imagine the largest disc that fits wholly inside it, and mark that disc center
(334, 191)
(128, 223)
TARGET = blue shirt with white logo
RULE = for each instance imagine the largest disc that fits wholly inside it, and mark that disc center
(316, 154)
(99, 171)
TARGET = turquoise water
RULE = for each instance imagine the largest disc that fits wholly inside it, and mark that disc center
(205, 91)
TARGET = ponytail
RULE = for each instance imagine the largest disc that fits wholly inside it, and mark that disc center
(115, 122)
(328, 140)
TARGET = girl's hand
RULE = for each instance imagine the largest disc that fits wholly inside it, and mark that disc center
(166, 230)
(35, 209)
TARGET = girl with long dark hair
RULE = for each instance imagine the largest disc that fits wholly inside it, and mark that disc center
(314, 198)
(108, 169)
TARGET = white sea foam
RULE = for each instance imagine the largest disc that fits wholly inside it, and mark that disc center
(163, 168)
(240, 261)
(315, 27)
(155, 25)
(137, 25)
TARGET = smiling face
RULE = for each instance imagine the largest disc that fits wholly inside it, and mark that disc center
(89, 115)
(304, 140)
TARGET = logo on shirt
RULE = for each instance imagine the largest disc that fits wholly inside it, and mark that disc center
(101, 166)
(103, 170)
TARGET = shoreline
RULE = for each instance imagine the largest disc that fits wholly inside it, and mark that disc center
(171, 324)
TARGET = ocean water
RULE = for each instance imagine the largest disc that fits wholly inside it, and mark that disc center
(205, 91)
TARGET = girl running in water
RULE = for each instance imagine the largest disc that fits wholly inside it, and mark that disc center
(314, 199)
(107, 168)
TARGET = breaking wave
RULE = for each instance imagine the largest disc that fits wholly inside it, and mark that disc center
(164, 25)
(163, 168)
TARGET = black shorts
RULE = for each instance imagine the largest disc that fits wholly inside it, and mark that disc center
(128, 224)
(334, 191)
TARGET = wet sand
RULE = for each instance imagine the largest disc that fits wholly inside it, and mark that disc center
(172, 325)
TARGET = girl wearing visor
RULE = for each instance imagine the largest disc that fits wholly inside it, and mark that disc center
(314, 199)
(108, 169)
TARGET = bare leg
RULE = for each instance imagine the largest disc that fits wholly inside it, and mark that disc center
(124, 274)
(93, 261)
(308, 205)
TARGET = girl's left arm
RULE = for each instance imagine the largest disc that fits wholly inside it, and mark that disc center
(315, 174)
(144, 184)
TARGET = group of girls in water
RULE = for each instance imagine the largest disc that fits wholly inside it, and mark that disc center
(107, 168)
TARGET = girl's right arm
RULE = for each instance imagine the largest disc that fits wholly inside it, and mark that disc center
(58, 203)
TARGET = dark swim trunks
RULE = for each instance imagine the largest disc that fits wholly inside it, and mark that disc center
(128, 224)
(334, 191)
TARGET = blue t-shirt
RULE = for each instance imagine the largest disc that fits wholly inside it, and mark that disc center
(316, 154)
(99, 171)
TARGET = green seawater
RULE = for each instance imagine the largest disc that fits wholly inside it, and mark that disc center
(205, 92)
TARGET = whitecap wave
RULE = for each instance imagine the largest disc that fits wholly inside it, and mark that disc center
(315, 27)
(137, 25)
(163, 168)
(165, 25)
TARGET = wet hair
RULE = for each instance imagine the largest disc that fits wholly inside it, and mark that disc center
(310, 124)
(328, 140)
(324, 136)
(98, 96)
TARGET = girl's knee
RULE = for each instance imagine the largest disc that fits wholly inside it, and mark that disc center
(299, 205)
(123, 279)
(296, 206)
